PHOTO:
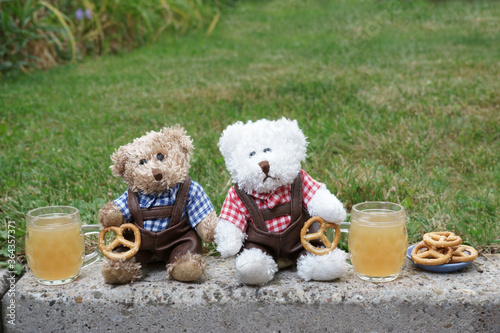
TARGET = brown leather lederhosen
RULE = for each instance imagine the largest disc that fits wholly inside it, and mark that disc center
(176, 240)
(285, 244)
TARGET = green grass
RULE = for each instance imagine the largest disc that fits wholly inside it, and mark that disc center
(399, 101)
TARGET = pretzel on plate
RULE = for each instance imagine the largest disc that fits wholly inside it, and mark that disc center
(107, 250)
(463, 253)
(305, 238)
(425, 255)
(442, 239)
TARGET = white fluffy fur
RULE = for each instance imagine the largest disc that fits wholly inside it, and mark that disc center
(255, 267)
(243, 145)
(326, 205)
(322, 268)
(283, 145)
(229, 238)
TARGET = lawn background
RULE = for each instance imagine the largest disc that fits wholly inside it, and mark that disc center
(399, 101)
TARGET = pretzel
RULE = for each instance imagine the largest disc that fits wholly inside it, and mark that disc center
(463, 253)
(442, 239)
(424, 254)
(305, 238)
(107, 250)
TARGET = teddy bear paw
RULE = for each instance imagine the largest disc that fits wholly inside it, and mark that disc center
(326, 205)
(187, 268)
(121, 272)
(322, 268)
(206, 228)
(110, 215)
(255, 267)
(229, 238)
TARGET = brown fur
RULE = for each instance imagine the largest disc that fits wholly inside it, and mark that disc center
(110, 215)
(206, 228)
(121, 272)
(176, 148)
(187, 268)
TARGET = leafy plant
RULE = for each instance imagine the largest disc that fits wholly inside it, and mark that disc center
(40, 34)
(16, 34)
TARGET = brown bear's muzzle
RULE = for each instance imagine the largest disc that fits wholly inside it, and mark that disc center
(157, 174)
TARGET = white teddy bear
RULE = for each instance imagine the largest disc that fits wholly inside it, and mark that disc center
(271, 200)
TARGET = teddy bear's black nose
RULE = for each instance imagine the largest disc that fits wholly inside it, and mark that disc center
(157, 174)
(264, 165)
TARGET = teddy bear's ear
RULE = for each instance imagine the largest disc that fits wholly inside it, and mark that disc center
(290, 129)
(119, 159)
(295, 130)
(229, 137)
(179, 135)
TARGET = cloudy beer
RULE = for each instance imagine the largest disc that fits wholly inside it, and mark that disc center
(378, 240)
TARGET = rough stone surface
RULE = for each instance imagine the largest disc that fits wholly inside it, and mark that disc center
(7, 282)
(4, 283)
(467, 301)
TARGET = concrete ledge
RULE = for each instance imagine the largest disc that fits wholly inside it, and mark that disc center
(7, 284)
(4, 282)
(417, 301)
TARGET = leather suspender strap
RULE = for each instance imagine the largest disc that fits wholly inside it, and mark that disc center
(277, 211)
(156, 212)
(293, 208)
(175, 211)
(135, 209)
(139, 214)
(296, 198)
(180, 202)
(253, 209)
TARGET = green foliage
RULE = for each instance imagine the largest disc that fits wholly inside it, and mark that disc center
(43, 33)
(15, 35)
(16, 268)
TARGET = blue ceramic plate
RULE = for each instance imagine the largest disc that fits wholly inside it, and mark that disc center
(446, 268)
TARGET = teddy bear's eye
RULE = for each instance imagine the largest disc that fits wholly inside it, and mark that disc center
(160, 157)
(252, 154)
(143, 161)
(267, 150)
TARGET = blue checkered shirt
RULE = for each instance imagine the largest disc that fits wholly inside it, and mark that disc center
(198, 206)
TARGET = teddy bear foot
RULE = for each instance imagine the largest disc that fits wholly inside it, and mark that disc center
(322, 268)
(187, 268)
(255, 267)
(121, 272)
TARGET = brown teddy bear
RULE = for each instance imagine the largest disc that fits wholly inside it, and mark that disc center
(172, 212)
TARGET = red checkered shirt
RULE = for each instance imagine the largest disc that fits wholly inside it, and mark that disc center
(234, 211)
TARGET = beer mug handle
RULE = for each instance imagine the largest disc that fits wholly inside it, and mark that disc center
(344, 227)
(89, 229)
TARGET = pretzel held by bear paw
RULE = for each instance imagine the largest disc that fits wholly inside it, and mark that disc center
(320, 234)
(107, 250)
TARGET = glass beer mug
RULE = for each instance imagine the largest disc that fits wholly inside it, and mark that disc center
(55, 244)
(377, 240)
